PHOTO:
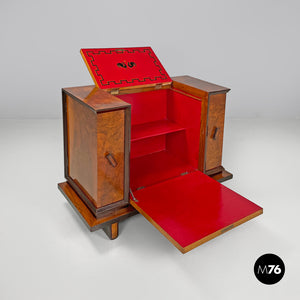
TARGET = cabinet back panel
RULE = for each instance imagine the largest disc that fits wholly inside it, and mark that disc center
(147, 106)
(154, 168)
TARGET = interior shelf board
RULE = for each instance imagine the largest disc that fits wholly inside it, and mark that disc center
(152, 129)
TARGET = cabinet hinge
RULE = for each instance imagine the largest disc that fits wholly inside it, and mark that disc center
(132, 196)
(114, 91)
(184, 173)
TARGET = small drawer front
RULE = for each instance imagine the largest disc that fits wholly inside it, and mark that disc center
(215, 129)
(110, 157)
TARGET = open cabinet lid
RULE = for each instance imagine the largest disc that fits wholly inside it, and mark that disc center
(190, 210)
(124, 67)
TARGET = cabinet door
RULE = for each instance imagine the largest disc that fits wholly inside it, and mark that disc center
(215, 129)
(192, 209)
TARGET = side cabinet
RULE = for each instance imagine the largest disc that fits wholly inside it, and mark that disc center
(96, 140)
(212, 123)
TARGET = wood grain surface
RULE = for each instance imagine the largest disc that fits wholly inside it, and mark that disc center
(215, 130)
(93, 223)
(110, 141)
(191, 84)
(82, 147)
(112, 230)
(95, 98)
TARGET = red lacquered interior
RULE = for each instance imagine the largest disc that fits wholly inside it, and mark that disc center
(191, 207)
(165, 135)
(165, 132)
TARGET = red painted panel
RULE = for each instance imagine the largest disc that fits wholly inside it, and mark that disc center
(151, 129)
(156, 167)
(193, 206)
(121, 67)
(147, 106)
(168, 105)
(148, 146)
(186, 112)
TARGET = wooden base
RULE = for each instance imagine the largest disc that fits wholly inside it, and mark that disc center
(109, 222)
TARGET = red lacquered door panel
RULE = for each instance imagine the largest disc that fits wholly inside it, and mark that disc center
(192, 209)
(123, 67)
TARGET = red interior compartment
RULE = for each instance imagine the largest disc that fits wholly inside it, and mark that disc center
(165, 132)
(185, 205)
(156, 167)
(152, 129)
(147, 146)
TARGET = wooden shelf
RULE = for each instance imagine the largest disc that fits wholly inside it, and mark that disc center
(152, 129)
(156, 167)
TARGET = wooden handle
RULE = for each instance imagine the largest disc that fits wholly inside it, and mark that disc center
(214, 135)
(111, 159)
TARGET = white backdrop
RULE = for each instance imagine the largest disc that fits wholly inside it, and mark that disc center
(250, 46)
(46, 252)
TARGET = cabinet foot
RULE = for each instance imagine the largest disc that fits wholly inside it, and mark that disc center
(112, 230)
(222, 176)
(219, 174)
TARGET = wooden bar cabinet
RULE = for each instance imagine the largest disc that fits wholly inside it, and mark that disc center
(140, 141)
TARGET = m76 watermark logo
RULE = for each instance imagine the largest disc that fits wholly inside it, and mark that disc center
(269, 268)
(272, 268)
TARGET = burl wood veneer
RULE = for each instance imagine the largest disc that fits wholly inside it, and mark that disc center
(97, 130)
(212, 123)
(92, 222)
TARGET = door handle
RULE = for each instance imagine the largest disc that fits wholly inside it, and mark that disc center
(111, 159)
(214, 135)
